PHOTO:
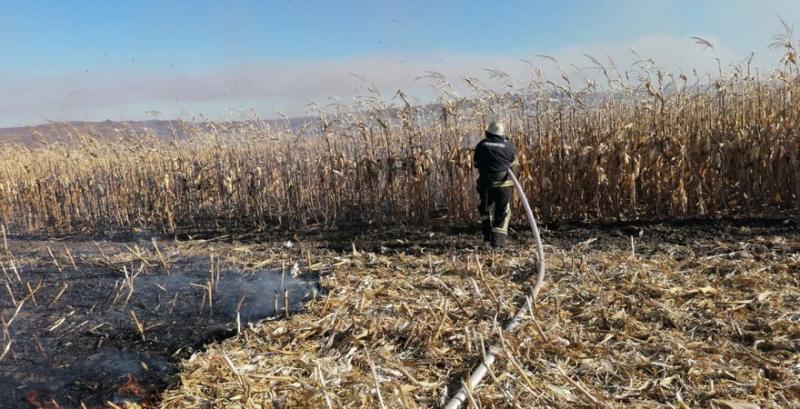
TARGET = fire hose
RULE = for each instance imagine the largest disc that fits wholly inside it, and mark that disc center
(477, 375)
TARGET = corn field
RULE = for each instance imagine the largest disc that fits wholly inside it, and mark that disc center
(647, 144)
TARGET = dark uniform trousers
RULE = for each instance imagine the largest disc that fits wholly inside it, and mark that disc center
(495, 209)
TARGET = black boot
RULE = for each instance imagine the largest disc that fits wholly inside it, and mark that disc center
(499, 240)
(486, 228)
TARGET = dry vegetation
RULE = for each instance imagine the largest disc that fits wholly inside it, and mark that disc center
(676, 318)
(691, 318)
(646, 144)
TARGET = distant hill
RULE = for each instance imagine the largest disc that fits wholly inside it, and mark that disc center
(69, 132)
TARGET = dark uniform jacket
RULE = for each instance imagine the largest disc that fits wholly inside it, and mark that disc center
(493, 157)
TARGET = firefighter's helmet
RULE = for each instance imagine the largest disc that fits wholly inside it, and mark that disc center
(496, 128)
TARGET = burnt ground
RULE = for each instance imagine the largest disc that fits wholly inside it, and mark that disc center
(109, 321)
(649, 237)
(77, 331)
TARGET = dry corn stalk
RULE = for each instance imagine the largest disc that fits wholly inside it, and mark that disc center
(662, 147)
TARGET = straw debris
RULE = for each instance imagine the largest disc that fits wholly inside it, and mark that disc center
(399, 328)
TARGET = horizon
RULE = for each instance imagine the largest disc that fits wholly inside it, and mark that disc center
(92, 61)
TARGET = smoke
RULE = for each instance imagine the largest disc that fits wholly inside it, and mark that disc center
(290, 85)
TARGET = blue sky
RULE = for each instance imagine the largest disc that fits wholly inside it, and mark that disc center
(96, 60)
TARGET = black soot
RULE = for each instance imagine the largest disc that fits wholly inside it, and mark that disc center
(117, 336)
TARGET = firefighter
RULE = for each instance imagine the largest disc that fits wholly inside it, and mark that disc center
(494, 155)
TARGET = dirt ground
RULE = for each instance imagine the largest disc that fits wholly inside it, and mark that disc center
(692, 314)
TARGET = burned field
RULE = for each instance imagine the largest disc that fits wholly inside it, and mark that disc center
(90, 322)
(694, 315)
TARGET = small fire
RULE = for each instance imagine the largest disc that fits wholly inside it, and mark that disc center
(131, 388)
(33, 399)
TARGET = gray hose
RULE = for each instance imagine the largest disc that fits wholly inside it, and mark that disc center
(477, 375)
(539, 249)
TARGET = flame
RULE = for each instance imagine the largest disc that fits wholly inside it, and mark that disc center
(131, 388)
(33, 399)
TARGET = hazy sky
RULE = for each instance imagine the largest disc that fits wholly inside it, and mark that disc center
(97, 60)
